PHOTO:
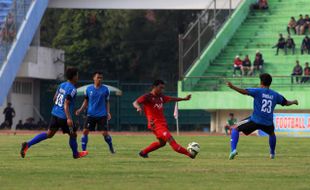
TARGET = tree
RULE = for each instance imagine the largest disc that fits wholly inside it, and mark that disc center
(131, 46)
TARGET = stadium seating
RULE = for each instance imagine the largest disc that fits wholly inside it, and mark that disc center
(259, 31)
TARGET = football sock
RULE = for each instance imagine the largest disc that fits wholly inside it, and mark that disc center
(73, 145)
(226, 131)
(84, 140)
(272, 143)
(108, 140)
(178, 148)
(152, 147)
(234, 139)
(37, 139)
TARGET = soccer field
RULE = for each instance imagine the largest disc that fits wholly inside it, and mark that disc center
(49, 165)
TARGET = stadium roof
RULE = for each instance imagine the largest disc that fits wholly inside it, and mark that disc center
(141, 4)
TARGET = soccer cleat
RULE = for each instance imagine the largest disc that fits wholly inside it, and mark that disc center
(193, 154)
(143, 155)
(112, 150)
(272, 156)
(81, 154)
(233, 154)
(24, 149)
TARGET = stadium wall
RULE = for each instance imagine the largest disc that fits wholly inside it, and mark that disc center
(227, 100)
(221, 103)
(219, 117)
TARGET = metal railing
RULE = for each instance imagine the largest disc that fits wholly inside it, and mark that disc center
(9, 30)
(200, 34)
(218, 83)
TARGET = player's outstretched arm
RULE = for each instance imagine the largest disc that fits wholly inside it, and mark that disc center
(240, 90)
(293, 102)
(176, 99)
(82, 108)
(137, 106)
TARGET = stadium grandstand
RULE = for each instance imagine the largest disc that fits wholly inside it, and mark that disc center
(207, 63)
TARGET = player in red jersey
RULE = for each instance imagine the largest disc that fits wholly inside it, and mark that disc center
(154, 110)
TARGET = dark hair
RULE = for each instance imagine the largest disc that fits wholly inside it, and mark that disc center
(231, 114)
(265, 79)
(71, 73)
(97, 72)
(158, 82)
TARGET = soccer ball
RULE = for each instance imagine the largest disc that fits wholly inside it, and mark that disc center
(193, 148)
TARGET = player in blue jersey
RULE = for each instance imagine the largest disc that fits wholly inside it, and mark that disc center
(98, 111)
(265, 100)
(61, 116)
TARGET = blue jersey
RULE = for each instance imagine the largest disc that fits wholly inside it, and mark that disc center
(265, 100)
(66, 90)
(97, 100)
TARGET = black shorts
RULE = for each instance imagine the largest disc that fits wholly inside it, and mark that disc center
(247, 127)
(57, 123)
(96, 123)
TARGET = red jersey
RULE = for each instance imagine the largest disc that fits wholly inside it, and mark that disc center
(154, 109)
(238, 62)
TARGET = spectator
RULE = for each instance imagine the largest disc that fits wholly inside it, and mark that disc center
(306, 25)
(263, 4)
(20, 125)
(281, 43)
(42, 124)
(290, 44)
(305, 45)
(258, 62)
(247, 67)
(300, 25)
(297, 72)
(238, 65)
(291, 25)
(259, 54)
(306, 74)
(4, 125)
(10, 28)
(260, 4)
(9, 113)
(29, 124)
(231, 121)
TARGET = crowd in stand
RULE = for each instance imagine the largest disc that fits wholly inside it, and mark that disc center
(245, 66)
(289, 43)
(300, 26)
(301, 75)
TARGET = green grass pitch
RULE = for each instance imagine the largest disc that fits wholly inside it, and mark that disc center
(49, 165)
